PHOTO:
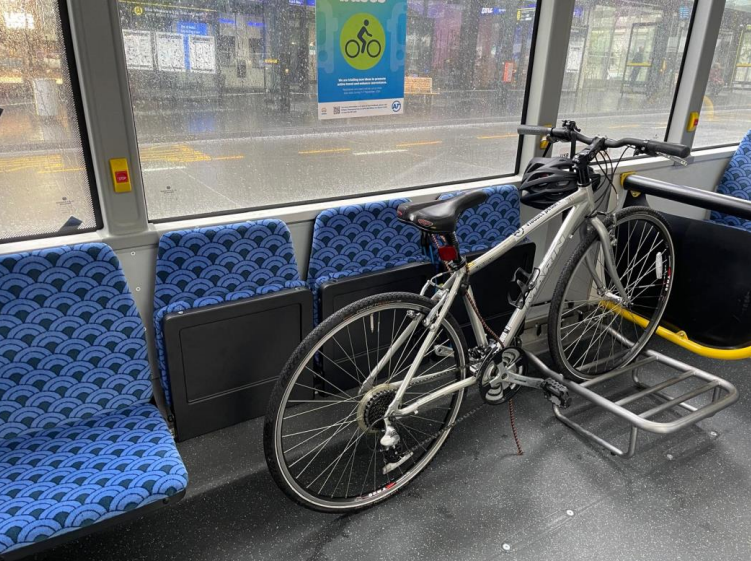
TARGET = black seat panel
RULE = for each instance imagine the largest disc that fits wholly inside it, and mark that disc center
(439, 217)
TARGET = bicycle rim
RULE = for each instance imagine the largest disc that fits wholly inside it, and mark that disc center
(327, 431)
(594, 326)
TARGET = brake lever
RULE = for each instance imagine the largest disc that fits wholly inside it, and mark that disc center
(676, 159)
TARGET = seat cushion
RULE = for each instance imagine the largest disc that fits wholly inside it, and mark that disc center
(356, 239)
(62, 479)
(220, 260)
(187, 303)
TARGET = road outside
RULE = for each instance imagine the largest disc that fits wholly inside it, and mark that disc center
(205, 161)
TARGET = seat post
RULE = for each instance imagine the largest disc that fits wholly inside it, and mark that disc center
(450, 253)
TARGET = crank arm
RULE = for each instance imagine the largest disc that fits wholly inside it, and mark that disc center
(526, 381)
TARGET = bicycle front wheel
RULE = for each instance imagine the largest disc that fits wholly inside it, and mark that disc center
(325, 422)
(591, 329)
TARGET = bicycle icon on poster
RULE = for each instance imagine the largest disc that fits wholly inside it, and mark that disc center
(356, 47)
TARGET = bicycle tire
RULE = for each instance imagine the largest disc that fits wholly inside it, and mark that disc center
(309, 347)
(367, 48)
(661, 291)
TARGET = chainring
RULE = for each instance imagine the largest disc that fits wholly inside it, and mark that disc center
(493, 371)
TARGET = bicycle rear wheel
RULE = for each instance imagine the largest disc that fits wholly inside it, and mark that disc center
(324, 424)
(589, 327)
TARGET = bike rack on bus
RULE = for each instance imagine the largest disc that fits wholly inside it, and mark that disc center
(722, 393)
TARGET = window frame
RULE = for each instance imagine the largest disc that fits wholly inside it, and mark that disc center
(689, 34)
(397, 190)
(693, 138)
(75, 86)
(525, 102)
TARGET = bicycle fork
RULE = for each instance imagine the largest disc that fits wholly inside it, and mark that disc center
(610, 265)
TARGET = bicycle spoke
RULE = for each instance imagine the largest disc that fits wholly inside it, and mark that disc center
(587, 345)
(326, 449)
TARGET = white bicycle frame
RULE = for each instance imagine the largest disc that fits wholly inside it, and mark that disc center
(582, 206)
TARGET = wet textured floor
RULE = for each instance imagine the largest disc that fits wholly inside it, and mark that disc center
(684, 496)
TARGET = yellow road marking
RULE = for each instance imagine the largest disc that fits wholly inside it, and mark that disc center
(175, 153)
(63, 170)
(425, 143)
(511, 135)
(158, 5)
(19, 163)
(710, 108)
(329, 151)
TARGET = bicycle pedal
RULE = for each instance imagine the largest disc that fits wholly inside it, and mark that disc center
(556, 393)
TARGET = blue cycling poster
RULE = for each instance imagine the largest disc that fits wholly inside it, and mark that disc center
(360, 46)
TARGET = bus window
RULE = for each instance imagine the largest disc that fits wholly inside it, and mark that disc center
(726, 111)
(241, 129)
(45, 187)
(622, 66)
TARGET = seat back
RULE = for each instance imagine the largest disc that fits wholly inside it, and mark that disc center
(736, 182)
(489, 223)
(225, 261)
(358, 251)
(204, 266)
(72, 344)
(361, 238)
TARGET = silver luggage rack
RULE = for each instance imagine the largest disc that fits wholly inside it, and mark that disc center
(724, 394)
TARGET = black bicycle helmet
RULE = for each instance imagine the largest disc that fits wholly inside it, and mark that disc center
(547, 180)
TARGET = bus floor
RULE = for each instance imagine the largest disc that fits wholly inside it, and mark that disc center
(685, 496)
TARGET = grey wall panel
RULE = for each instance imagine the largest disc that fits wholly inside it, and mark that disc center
(705, 176)
(302, 235)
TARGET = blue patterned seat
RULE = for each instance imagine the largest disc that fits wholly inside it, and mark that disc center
(356, 239)
(490, 223)
(79, 441)
(206, 266)
(736, 182)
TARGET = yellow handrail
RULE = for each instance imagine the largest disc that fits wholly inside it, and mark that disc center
(681, 338)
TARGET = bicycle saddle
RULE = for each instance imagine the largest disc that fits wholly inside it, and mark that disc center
(439, 217)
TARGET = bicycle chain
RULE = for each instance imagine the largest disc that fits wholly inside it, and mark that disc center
(474, 410)
(447, 428)
(463, 418)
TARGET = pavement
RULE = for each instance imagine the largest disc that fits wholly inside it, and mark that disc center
(205, 167)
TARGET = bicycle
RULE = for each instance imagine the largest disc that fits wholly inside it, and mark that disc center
(343, 442)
